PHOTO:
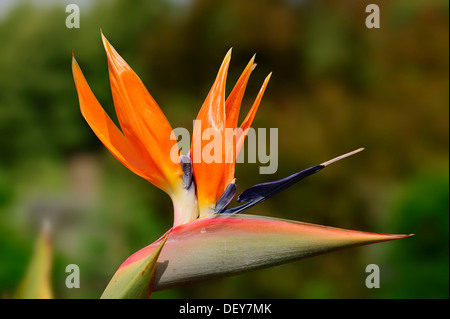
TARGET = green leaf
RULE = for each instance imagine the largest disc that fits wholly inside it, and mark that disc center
(135, 280)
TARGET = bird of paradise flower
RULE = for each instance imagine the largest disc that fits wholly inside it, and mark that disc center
(208, 239)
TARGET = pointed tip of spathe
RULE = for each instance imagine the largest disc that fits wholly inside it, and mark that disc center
(404, 236)
(399, 236)
(369, 238)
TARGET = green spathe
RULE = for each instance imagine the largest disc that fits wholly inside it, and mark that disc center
(227, 244)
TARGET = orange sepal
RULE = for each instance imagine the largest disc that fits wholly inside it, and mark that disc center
(232, 108)
(245, 126)
(107, 131)
(142, 121)
(208, 172)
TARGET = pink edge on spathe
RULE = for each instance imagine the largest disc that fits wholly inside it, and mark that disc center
(144, 252)
(247, 228)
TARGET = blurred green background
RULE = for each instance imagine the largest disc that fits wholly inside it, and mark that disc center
(336, 86)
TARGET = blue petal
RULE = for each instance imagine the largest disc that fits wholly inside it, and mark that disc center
(186, 167)
(261, 192)
(225, 199)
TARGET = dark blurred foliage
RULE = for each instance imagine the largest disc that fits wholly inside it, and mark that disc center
(336, 86)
